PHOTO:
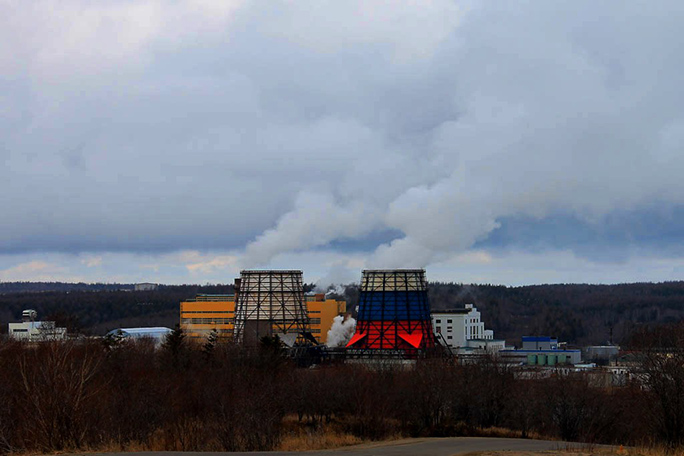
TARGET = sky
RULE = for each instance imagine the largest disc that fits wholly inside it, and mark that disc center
(516, 142)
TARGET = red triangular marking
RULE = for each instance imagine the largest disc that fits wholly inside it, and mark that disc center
(413, 339)
(357, 337)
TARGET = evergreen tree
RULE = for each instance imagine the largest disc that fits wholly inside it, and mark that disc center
(175, 343)
(113, 340)
(210, 345)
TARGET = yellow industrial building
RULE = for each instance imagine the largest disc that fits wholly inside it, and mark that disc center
(208, 312)
(321, 314)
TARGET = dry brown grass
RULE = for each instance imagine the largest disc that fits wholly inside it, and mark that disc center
(299, 437)
(317, 441)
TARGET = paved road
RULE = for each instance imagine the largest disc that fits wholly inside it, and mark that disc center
(407, 447)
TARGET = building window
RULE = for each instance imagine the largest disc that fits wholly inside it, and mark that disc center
(439, 321)
(449, 337)
(315, 321)
(448, 321)
(207, 312)
(206, 321)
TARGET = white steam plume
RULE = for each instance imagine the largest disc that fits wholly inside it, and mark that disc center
(334, 280)
(518, 127)
(336, 290)
(341, 331)
(315, 220)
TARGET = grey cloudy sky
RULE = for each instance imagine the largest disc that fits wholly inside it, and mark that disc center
(500, 142)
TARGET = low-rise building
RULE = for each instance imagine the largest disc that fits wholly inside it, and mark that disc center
(31, 330)
(156, 333)
(487, 345)
(541, 351)
(539, 343)
(601, 354)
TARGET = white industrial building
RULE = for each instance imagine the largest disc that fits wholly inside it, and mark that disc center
(31, 330)
(462, 329)
(157, 333)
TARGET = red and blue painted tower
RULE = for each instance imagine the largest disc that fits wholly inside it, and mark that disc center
(394, 312)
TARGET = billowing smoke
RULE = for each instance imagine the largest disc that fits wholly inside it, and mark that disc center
(333, 281)
(341, 331)
(336, 290)
(315, 220)
(487, 147)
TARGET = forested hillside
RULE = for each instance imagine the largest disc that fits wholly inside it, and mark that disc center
(95, 312)
(581, 314)
(576, 313)
(21, 287)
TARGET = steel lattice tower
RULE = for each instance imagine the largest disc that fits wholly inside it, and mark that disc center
(394, 312)
(270, 303)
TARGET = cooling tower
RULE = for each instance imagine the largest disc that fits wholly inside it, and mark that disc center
(270, 303)
(394, 312)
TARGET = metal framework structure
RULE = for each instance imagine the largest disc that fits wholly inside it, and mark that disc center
(270, 303)
(394, 313)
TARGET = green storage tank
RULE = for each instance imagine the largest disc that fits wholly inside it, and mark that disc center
(551, 360)
(562, 359)
(541, 360)
(531, 360)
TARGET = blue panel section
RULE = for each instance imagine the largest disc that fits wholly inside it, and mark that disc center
(536, 339)
(393, 305)
(538, 351)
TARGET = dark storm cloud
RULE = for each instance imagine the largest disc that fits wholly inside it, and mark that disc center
(658, 231)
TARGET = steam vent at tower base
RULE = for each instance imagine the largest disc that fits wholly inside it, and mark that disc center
(394, 315)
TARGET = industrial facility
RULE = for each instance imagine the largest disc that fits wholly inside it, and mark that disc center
(270, 303)
(322, 312)
(541, 351)
(205, 313)
(462, 331)
(394, 314)
(156, 334)
(31, 330)
(394, 320)
(265, 303)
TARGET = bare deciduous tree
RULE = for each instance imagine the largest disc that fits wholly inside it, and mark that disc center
(56, 384)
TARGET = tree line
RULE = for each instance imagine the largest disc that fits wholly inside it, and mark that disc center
(576, 313)
(113, 394)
